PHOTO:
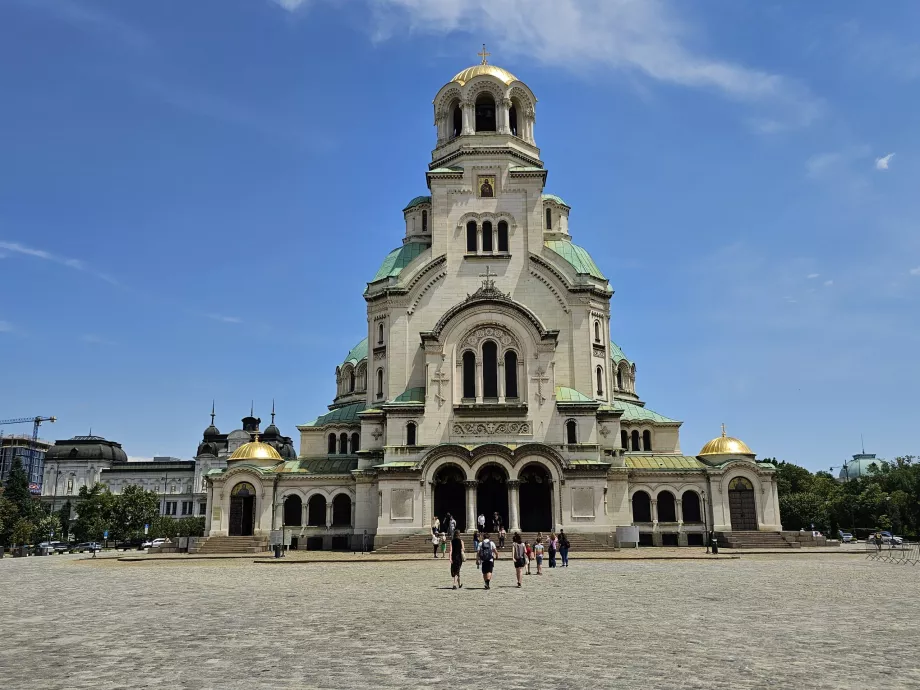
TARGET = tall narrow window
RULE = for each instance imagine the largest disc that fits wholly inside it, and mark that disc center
(646, 440)
(485, 113)
(571, 432)
(512, 119)
(600, 381)
(635, 440)
(624, 440)
(380, 383)
(487, 236)
(355, 442)
(351, 381)
(597, 331)
(489, 370)
(549, 219)
(331, 448)
(457, 121)
(424, 221)
(469, 375)
(380, 334)
(620, 379)
(502, 236)
(410, 434)
(511, 382)
(471, 237)
(343, 444)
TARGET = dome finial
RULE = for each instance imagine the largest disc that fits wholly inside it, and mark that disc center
(273, 410)
(484, 55)
(212, 411)
(252, 405)
(723, 429)
(256, 439)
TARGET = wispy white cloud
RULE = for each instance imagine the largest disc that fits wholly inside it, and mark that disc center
(91, 18)
(76, 264)
(6, 327)
(882, 163)
(291, 5)
(915, 271)
(812, 276)
(225, 319)
(828, 283)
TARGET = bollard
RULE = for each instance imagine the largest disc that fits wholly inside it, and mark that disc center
(277, 550)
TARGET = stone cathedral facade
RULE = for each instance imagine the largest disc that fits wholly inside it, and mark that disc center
(488, 379)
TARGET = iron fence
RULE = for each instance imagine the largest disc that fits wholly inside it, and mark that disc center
(906, 553)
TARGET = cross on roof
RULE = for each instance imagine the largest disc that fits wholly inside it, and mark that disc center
(487, 281)
(484, 55)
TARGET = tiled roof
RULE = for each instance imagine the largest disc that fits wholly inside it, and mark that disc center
(411, 395)
(330, 465)
(416, 201)
(637, 413)
(616, 354)
(576, 256)
(398, 259)
(357, 353)
(398, 463)
(557, 199)
(340, 415)
(564, 394)
(663, 462)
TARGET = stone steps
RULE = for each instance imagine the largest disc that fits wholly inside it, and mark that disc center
(421, 543)
(231, 545)
(752, 540)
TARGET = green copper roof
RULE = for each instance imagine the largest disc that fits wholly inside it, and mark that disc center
(331, 465)
(616, 354)
(637, 413)
(577, 257)
(557, 199)
(416, 201)
(564, 394)
(663, 462)
(532, 168)
(398, 259)
(340, 415)
(411, 395)
(357, 353)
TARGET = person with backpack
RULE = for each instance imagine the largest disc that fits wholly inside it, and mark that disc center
(551, 544)
(487, 555)
(456, 559)
(564, 548)
(519, 554)
(476, 548)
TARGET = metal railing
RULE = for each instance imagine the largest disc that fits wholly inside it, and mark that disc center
(905, 553)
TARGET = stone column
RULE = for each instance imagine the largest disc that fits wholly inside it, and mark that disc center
(656, 535)
(479, 390)
(654, 503)
(513, 505)
(303, 518)
(679, 505)
(471, 504)
(328, 514)
(428, 517)
(469, 117)
(501, 378)
(506, 118)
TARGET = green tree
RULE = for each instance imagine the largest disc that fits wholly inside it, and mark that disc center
(17, 490)
(131, 510)
(22, 531)
(94, 507)
(47, 527)
(63, 516)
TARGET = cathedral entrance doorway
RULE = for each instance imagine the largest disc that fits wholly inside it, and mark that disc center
(242, 510)
(450, 495)
(492, 495)
(536, 496)
(741, 504)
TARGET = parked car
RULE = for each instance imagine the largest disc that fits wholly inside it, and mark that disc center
(889, 538)
(846, 537)
(160, 541)
(85, 546)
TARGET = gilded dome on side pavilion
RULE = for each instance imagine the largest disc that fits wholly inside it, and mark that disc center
(726, 445)
(256, 452)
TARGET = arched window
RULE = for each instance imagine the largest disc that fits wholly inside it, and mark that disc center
(620, 379)
(641, 507)
(331, 449)
(471, 243)
(487, 236)
(380, 383)
(667, 509)
(410, 434)
(635, 440)
(502, 236)
(571, 432)
(343, 443)
(457, 125)
(351, 381)
(489, 370)
(316, 511)
(424, 221)
(597, 331)
(691, 507)
(341, 510)
(513, 119)
(549, 219)
(600, 381)
(380, 334)
(469, 375)
(355, 442)
(646, 440)
(624, 439)
(511, 382)
(293, 510)
(485, 113)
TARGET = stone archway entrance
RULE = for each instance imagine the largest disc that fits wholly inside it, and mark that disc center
(536, 499)
(450, 495)
(741, 504)
(242, 510)
(492, 495)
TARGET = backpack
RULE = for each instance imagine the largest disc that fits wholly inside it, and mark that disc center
(485, 551)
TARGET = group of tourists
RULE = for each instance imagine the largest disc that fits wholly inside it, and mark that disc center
(523, 553)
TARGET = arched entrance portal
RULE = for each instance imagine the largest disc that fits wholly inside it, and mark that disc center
(492, 495)
(450, 495)
(536, 495)
(242, 510)
(741, 504)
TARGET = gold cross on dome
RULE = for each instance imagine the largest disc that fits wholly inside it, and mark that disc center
(484, 55)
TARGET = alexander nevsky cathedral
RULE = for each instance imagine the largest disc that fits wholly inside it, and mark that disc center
(487, 379)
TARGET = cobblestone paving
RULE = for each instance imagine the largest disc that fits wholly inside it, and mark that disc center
(762, 621)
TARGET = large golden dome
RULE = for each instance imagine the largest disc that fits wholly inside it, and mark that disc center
(256, 450)
(479, 70)
(726, 445)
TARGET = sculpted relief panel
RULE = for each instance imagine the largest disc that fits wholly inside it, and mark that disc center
(492, 428)
(499, 335)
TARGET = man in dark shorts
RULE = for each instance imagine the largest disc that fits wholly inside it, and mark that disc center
(487, 553)
(456, 559)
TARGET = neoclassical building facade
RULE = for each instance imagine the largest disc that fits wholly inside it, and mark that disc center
(488, 379)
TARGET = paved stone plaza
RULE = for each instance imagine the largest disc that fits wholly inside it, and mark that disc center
(828, 621)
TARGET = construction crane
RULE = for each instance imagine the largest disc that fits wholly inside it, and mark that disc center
(36, 422)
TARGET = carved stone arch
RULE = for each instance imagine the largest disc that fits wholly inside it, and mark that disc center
(552, 283)
(741, 468)
(487, 459)
(491, 450)
(523, 95)
(543, 451)
(341, 490)
(493, 303)
(433, 466)
(447, 450)
(498, 216)
(481, 332)
(445, 98)
(666, 487)
(466, 218)
(484, 83)
(633, 490)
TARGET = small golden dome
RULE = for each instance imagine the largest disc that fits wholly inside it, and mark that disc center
(726, 445)
(479, 70)
(256, 450)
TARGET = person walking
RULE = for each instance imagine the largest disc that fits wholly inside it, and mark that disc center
(443, 545)
(435, 542)
(519, 554)
(564, 548)
(496, 522)
(487, 555)
(476, 548)
(501, 537)
(538, 554)
(456, 559)
(481, 521)
(552, 549)
(451, 526)
(528, 550)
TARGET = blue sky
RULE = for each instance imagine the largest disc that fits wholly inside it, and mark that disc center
(193, 195)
